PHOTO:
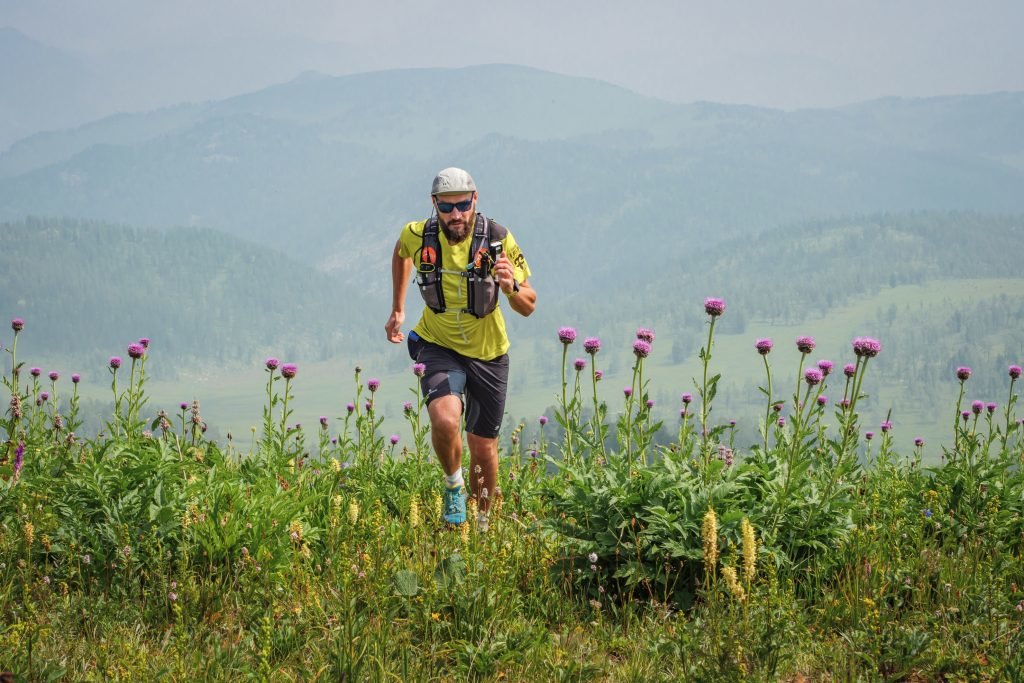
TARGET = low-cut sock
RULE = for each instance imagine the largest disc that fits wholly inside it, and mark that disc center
(454, 480)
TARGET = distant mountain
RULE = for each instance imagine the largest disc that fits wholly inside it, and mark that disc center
(40, 87)
(584, 172)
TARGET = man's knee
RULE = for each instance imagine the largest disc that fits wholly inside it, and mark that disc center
(446, 414)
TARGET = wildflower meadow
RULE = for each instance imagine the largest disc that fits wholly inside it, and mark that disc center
(824, 550)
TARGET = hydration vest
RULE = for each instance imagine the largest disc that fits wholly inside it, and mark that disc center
(481, 287)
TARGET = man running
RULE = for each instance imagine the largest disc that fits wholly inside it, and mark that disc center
(462, 261)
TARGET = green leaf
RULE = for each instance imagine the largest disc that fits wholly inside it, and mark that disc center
(406, 583)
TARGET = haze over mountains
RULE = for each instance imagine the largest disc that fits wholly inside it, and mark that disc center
(335, 164)
(630, 210)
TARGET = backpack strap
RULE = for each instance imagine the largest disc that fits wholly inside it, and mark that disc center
(428, 275)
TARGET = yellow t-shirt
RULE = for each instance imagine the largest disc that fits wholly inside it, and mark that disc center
(482, 338)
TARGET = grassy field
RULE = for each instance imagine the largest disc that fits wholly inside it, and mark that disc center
(168, 556)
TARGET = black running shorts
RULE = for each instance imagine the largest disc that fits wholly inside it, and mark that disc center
(480, 384)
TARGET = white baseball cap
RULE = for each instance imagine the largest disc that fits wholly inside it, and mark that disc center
(452, 181)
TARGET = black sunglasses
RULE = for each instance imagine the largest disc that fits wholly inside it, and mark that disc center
(447, 207)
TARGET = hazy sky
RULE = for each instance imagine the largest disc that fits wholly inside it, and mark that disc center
(783, 53)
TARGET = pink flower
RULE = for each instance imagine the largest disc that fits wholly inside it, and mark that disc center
(714, 307)
(867, 347)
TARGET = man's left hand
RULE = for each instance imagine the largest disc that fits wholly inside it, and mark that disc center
(505, 273)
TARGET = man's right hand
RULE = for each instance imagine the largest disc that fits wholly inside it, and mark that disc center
(393, 328)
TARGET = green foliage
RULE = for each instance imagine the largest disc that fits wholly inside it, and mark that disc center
(145, 555)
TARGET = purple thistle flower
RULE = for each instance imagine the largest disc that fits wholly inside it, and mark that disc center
(54, 375)
(990, 407)
(646, 334)
(183, 406)
(867, 347)
(144, 341)
(289, 370)
(407, 407)
(115, 362)
(136, 351)
(543, 420)
(650, 403)
(598, 374)
(35, 372)
(777, 407)
(592, 345)
(686, 398)
(419, 369)
(641, 348)
(1015, 371)
(373, 384)
(849, 369)
(781, 422)
(627, 391)
(813, 376)
(918, 442)
(19, 457)
(976, 407)
(684, 413)
(272, 364)
(567, 335)
(350, 408)
(963, 373)
(825, 366)
(844, 403)
(394, 439)
(886, 426)
(869, 435)
(579, 364)
(965, 414)
(764, 346)
(732, 423)
(76, 378)
(823, 401)
(714, 307)
(805, 344)
(323, 421)
(44, 395)
(368, 406)
(17, 324)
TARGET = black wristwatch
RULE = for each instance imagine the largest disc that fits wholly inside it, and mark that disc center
(515, 289)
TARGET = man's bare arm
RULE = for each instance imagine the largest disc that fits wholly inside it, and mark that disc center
(401, 268)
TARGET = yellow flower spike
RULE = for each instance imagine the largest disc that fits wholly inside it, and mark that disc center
(749, 550)
(353, 513)
(733, 584)
(414, 513)
(335, 465)
(295, 530)
(464, 533)
(437, 504)
(709, 537)
(30, 533)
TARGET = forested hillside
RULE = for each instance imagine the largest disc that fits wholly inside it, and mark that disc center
(87, 289)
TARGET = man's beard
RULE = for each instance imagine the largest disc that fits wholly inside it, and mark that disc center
(459, 230)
